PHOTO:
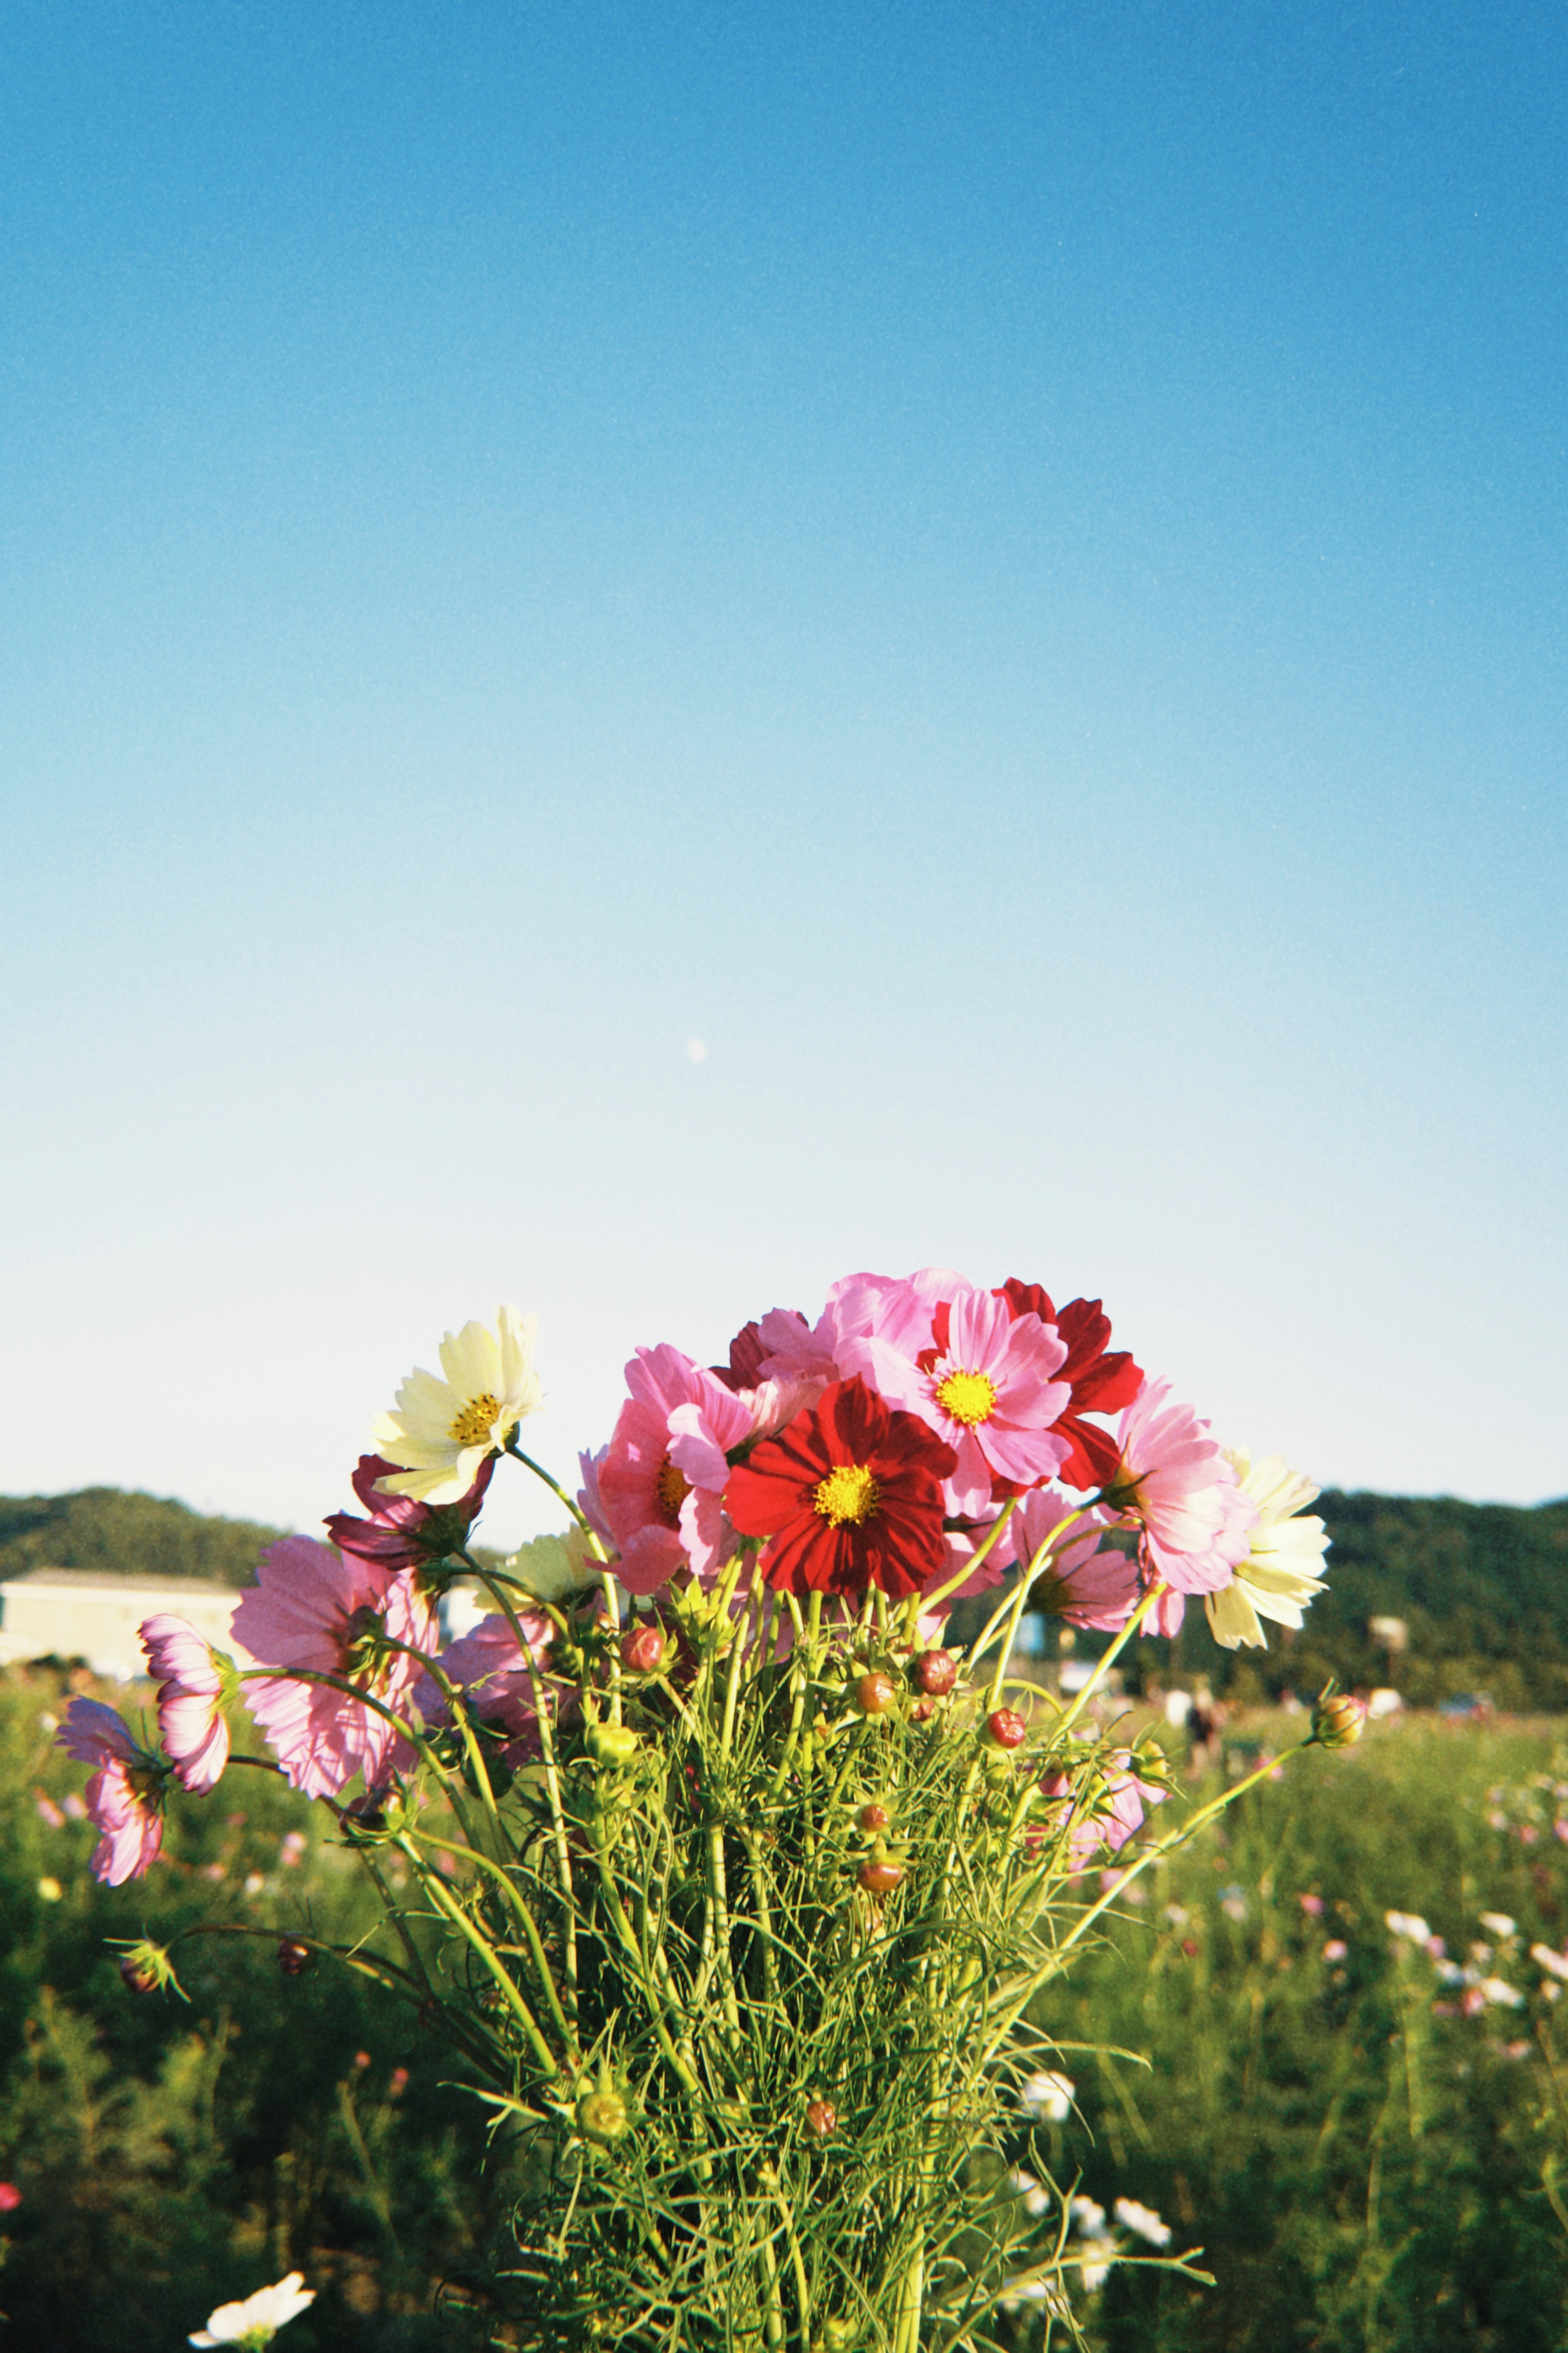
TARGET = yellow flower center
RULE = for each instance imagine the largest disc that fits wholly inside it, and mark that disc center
(969, 1397)
(477, 1420)
(848, 1492)
(672, 1487)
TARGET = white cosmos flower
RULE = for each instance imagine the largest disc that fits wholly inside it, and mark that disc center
(440, 1431)
(1278, 1576)
(257, 2321)
(1046, 2098)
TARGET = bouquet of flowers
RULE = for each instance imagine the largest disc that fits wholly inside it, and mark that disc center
(731, 1876)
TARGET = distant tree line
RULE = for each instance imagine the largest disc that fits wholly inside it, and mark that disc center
(145, 1537)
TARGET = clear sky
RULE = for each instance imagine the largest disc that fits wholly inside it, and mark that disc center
(1000, 566)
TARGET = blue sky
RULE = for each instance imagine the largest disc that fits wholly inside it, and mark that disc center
(1000, 566)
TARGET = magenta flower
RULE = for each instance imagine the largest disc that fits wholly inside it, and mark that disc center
(976, 1374)
(190, 1701)
(1173, 1481)
(124, 1795)
(402, 1533)
(1086, 1583)
(660, 1481)
(491, 1671)
(314, 1609)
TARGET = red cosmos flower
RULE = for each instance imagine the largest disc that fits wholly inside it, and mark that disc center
(1101, 1381)
(850, 1492)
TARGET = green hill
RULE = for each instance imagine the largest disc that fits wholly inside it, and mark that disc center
(126, 1534)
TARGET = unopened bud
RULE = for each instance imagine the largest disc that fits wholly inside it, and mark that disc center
(1006, 1728)
(876, 1694)
(879, 1876)
(874, 1818)
(293, 1957)
(822, 2118)
(1338, 1720)
(936, 1671)
(602, 2116)
(137, 1974)
(642, 1650)
(611, 1743)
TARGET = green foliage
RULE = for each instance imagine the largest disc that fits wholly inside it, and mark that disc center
(147, 1536)
(1363, 2173)
(174, 2154)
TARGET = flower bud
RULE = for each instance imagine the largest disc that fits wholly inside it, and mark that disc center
(611, 1743)
(874, 1818)
(936, 1671)
(643, 1649)
(602, 2116)
(137, 1974)
(1004, 1728)
(821, 2118)
(880, 1875)
(1338, 1720)
(875, 1693)
(293, 1957)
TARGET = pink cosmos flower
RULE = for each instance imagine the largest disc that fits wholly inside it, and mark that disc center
(491, 1669)
(1085, 1583)
(315, 1610)
(977, 1374)
(1173, 1481)
(10, 2197)
(190, 1701)
(660, 1482)
(401, 1532)
(1107, 1820)
(125, 1796)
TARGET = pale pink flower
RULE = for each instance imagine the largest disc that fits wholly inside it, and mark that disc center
(317, 1609)
(491, 1669)
(190, 1701)
(125, 1796)
(976, 1374)
(1175, 1481)
(1085, 1583)
(1096, 1818)
(660, 1482)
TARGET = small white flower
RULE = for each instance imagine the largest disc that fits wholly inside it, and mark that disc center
(1557, 1963)
(1087, 2216)
(441, 1432)
(1279, 1578)
(1094, 2270)
(256, 2322)
(1410, 1924)
(1143, 2220)
(1025, 2187)
(1500, 1994)
(1498, 1923)
(1046, 2099)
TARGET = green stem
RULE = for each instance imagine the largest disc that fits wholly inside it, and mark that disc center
(454, 1912)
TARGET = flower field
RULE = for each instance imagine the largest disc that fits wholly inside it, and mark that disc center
(1364, 2141)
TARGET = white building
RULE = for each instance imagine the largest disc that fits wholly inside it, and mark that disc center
(79, 1613)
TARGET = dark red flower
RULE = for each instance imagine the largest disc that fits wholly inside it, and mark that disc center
(401, 1533)
(745, 1369)
(850, 1492)
(1102, 1380)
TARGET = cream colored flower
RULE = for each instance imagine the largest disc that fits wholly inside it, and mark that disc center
(441, 1430)
(257, 2321)
(553, 1567)
(1277, 1578)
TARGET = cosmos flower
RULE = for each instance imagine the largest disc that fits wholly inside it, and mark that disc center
(1102, 1380)
(1173, 1481)
(402, 1531)
(191, 1683)
(1143, 2220)
(256, 2322)
(1048, 2098)
(849, 1495)
(980, 1375)
(314, 1608)
(441, 1432)
(489, 1667)
(124, 1795)
(659, 1483)
(1279, 1575)
(1086, 1583)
